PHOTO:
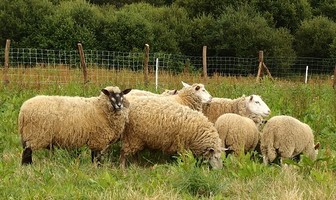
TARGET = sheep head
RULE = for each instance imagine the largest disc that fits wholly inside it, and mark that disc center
(116, 97)
(257, 106)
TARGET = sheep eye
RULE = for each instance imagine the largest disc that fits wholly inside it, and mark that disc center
(257, 102)
(113, 99)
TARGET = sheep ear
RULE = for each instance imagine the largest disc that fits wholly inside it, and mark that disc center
(251, 97)
(317, 146)
(127, 91)
(185, 84)
(106, 92)
(175, 92)
(225, 149)
(197, 88)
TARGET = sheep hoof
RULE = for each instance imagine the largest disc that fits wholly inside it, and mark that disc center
(27, 156)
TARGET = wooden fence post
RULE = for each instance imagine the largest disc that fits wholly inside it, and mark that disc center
(262, 66)
(83, 63)
(146, 60)
(6, 64)
(204, 56)
(334, 84)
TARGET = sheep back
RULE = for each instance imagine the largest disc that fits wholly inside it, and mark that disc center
(220, 106)
(237, 133)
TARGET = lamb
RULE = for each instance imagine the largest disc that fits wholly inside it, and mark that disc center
(250, 106)
(238, 133)
(287, 137)
(165, 125)
(72, 122)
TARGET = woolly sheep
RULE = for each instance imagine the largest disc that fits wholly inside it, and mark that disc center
(165, 125)
(238, 133)
(249, 106)
(137, 92)
(72, 122)
(287, 137)
(192, 96)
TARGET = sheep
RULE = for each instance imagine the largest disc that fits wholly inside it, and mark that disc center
(169, 92)
(250, 106)
(136, 92)
(287, 137)
(238, 133)
(165, 125)
(72, 122)
(192, 96)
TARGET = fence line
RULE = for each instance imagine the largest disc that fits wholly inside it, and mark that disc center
(280, 67)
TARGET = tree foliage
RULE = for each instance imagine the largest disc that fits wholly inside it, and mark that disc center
(227, 27)
(315, 37)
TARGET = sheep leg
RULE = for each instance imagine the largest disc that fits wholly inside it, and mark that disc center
(96, 157)
(27, 156)
(122, 159)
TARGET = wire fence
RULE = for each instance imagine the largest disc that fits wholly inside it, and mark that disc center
(60, 66)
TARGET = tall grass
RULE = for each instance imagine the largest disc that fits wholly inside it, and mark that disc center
(70, 175)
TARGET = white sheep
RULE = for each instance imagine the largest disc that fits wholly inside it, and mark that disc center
(238, 133)
(193, 96)
(287, 137)
(250, 106)
(72, 122)
(137, 92)
(165, 125)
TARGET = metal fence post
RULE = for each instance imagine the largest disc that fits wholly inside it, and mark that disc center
(146, 60)
(6, 64)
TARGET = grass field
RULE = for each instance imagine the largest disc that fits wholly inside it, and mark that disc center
(70, 174)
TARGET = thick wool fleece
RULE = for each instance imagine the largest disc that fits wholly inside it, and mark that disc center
(219, 106)
(237, 133)
(71, 122)
(162, 124)
(187, 97)
(288, 137)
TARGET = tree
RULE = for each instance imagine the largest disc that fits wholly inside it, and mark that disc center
(286, 13)
(243, 34)
(315, 37)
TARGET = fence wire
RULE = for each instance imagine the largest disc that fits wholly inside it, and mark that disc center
(49, 66)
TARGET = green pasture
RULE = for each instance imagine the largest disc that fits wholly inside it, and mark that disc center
(71, 175)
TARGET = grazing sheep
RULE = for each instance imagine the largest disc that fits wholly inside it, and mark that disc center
(249, 106)
(238, 133)
(72, 122)
(287, 137)
(165, 125)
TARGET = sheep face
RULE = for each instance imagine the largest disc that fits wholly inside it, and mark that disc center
(200, 91)
(257, 106)
(116, 98)
(214, 158)
(316, 148)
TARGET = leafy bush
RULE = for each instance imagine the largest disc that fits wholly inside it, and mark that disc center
(314, 37)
